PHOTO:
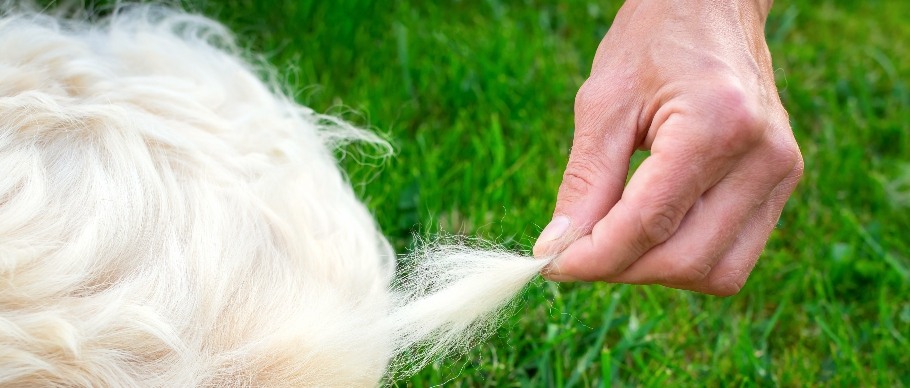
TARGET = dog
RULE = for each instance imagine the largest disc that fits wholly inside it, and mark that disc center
(168, 218)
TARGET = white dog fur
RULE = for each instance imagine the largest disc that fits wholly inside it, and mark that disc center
(169, 219)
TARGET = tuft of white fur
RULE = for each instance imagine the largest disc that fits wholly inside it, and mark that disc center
(451, 296)
(168, 219)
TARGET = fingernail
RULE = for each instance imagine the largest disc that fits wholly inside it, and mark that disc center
(554, 230)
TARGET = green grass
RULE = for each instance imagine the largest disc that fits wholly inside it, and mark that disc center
(477, 97)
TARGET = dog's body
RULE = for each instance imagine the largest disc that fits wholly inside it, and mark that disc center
(167, 219)
(163, 212)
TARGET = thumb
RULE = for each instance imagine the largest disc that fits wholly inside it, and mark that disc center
(596, 172)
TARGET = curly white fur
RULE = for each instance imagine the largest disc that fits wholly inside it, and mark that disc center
(169, 219)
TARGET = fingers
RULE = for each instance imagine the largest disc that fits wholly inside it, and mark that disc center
(706, 233)
(721, 238)
(656, 200)
(598, 164)
(732, 270)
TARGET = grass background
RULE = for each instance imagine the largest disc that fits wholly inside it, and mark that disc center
(477, 97)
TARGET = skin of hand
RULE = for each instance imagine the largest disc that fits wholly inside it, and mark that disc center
(692, 82)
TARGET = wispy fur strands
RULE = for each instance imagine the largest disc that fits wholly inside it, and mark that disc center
(169, 219)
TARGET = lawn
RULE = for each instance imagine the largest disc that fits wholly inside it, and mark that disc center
(477, 97)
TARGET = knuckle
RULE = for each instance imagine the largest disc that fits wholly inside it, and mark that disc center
(599, 96)
(798, 169)
(786, 160)
(659, 222)
(742, 123)
(589, 95)
(580, 175)
(743, 116)
(687, 271)
(574, 186)
(736, 102)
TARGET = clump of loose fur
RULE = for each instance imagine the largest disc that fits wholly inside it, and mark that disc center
(451, 295)
(167, 218)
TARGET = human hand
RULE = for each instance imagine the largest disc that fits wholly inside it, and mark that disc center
(692, 82)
